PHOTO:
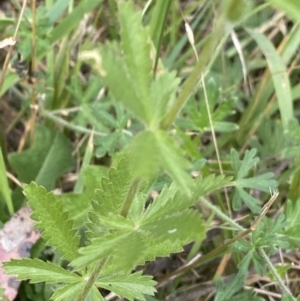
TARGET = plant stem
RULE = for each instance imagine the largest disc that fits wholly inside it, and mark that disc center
(69, 125)
(130, 197)
(222, 215)
(284, 288)
(91, 280)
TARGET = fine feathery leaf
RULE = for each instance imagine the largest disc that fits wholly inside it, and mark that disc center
(263, 182)
(56, 227)
(131, 286)
(37, 270)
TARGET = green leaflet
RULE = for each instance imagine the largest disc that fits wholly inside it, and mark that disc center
(128, 73)
(119, 82)
(152, 150)
(263, 182)
(39, 271)
(78, 205)
(173, 200)
(99, 248)
(136, 47)
(55, 224)
(48, 158)
(163, 90)
(68, 292)
(183, 226)
(130, 286)
(113, 190)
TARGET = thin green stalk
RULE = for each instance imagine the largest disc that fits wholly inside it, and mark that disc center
(130, 197)
(91, 280)
(69, 125)
(223, 216)
(284, 288)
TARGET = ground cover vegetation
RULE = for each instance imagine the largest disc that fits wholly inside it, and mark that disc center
(157, 144)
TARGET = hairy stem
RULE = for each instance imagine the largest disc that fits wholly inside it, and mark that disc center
(284, 288)
(91, 280)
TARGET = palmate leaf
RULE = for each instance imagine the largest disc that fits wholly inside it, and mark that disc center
(130, 286)
(56, 227)
(48, 158)
(37, 270)
(262, 182)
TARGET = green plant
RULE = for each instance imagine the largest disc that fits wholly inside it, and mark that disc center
(110, 226)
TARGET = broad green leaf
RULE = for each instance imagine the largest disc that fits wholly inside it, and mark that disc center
(113, 221)
(184, 226)
(48, 158)
(136, 47)
(68, 292)
(161, 249)
(152, 150)
(37, 270)
(94, 295)
(130, 286)
(130, 251)
(119, 82)
(79, 204)
(163, 203)
(98, 249)
(57, 228)
(109, 197)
